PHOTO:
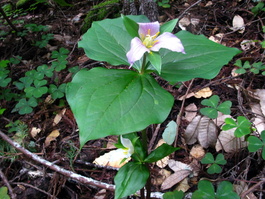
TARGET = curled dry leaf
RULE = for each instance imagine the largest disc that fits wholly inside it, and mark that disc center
(58, 117)
(261, 96)
(242, 187)
(51, 137)
(162, 175)
(259, 121)
(217, 38)
(34, 132)
(181, 171)
(205, 92)
(202, 129)
(246, 44)
(183, 185)
(197, 152)
(228, 141)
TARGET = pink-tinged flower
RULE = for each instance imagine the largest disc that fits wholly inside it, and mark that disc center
(150, 40)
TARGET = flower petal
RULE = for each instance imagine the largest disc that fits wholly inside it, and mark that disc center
(128, 144)
(148, 28)
(169, 41)
(137, 51)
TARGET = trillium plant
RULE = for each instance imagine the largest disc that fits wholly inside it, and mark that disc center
(125, 101)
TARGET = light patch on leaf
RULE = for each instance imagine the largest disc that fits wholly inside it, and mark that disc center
(190, 112)
(228, 142)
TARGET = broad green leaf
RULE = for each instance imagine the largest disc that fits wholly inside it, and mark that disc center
(174, 195)
(108, 40)
(254, 144)
(214, 168)
(225, 191)
(3, 193)
(160, 152)
(131, 26)
(225, 107)
(229, 124)
(116, 102)
(203, 59)
(220, 159)
(130, 178)
(170, 132)
(208, 159)
(155, 60)
(205, 191)
(168, 26)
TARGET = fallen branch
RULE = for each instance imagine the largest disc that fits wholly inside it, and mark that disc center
(70, 174)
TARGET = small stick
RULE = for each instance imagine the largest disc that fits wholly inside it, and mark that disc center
(11, 193)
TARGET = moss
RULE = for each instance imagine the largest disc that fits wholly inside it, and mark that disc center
(100, 11)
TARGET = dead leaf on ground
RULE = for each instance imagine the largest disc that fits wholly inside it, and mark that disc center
(259, 121)
(201, 129)
(51, 137)
(58, 117)
(228, 141)
(190, 112)
(164, 161)
(205, 92)
(238, 24)
(101, 194)
(162, 175)
(197, 152)
(242, 187)
(34, 132)
(183, 185)
(181, 171)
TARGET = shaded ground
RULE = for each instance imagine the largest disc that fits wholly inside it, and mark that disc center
(211, 18)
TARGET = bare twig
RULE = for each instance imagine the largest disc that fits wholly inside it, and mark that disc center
(70, 174)
(7, 20)
(197, 2)
(11, 193)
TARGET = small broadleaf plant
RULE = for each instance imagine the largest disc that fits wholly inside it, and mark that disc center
(213, 106)
(214, 168)
(206, 190)
(255, 144)
(242, 125)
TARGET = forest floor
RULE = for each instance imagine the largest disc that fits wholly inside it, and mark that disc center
(50, 130)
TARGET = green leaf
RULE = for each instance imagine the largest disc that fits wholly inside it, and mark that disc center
(174, 195)
(160, 152)
(225, 107)
(168, 26)
(203, 59)
(3, 193)
(225, 191)
(209, 112)
(170, 132)
(254, 144)
(220, 159)
(131, 26)
(116, 102)
(130, 178)
(214, 168)
(108, 40)
(25, 106)
(205, 191)
(211, 102)
(155, 60)
(57, 92)
(208, 159)
(229, 124)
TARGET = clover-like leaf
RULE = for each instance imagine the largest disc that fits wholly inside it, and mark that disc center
(254, 144)
(61, 54)
(242, 125)
(57, 92)
(25, 106)
(174, 195)
(205, 191)
(214, 168)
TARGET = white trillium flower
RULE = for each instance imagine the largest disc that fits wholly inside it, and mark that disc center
(150, 40)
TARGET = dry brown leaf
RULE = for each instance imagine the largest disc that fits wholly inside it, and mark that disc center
(202, 129)
(190, 112)
(197, 152)
(58, 117)
(191, 132)
(51, 137)
(217, 38)
(183, 185)
(241, 187)
(247, 44)
(162, 175)
(34, 132)
(230, 143)
(101, 194)
(207, 132)
(205, 92)
(261, 96)
(259, 120)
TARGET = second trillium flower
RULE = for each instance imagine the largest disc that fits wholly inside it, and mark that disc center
(149, 40)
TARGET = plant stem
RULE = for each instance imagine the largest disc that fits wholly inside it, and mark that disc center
(143, 67)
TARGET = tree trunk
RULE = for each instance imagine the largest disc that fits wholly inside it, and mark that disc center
(146, 7)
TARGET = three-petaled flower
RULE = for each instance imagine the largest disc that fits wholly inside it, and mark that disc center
(124, 152)
(150, 40)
